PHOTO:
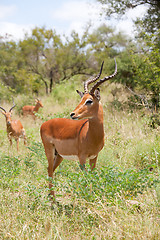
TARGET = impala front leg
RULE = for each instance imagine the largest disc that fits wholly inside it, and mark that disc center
(25, 141)
(10, 139)
(17, 140)
(82, 161)
(92, 163)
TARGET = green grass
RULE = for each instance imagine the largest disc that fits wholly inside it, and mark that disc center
(120, 199)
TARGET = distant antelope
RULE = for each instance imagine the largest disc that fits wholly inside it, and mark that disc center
(79, 140)
(14, 127)
(31, 110)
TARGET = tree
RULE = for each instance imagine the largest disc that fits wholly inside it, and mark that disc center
(151, 20)
(8, 62)
(51, 59)
(146, 65)
(13, 70)
(39, 52)
(141, 74)
(43, 57)
(72, 57)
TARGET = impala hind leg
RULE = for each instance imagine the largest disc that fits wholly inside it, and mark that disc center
(24, 136)
(57, 160)
(50, 152)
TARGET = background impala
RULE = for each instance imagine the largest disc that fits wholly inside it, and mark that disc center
(82, 139)
(14, 127)
(31, 110)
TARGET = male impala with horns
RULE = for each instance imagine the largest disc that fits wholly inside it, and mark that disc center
(79, 139)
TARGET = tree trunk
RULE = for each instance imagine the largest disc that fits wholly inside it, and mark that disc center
(46, 85)
(51, 80)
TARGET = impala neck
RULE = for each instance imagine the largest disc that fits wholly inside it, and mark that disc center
(9, 125)
(96, 122)
(36, 108)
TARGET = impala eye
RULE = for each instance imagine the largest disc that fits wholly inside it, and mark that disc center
(88, 102)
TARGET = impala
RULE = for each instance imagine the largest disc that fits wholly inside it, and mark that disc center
(14, 127)
(31, 110)
(79, 140)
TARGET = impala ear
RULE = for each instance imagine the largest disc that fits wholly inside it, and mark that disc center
(80, 93)
(97, 94)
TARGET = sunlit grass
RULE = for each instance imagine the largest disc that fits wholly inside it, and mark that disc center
(119, 200)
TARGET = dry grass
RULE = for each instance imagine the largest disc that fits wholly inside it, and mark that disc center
(25, 211)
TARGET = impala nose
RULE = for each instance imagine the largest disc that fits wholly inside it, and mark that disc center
(72, 114)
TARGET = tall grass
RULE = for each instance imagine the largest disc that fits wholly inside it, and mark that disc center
(118, 200)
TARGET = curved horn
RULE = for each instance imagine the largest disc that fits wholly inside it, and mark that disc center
(104, 79)
(92, 80)
(12, 106)
(3, 109)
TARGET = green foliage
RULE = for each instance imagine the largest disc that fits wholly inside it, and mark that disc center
(5, 92)
(43, 59)
(23, 100)
(154, 120)
(26, 82)
(92, 205)
(10, 173)
(121, 194)
(138, 67)
(150, 20)
(64, 92)
(107, 183)
(147, 71)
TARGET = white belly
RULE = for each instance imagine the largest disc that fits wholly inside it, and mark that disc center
(70, 157)
(74, 157)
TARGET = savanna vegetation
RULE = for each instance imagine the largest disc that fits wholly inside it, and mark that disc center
(120, 199)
